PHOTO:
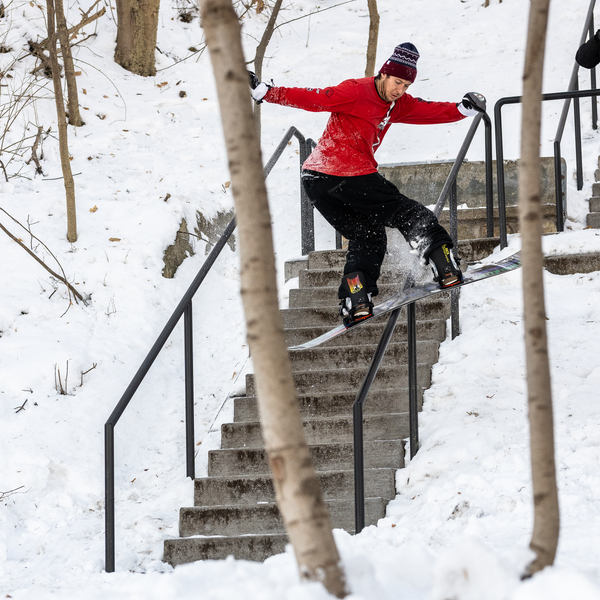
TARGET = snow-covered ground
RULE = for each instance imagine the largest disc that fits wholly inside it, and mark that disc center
(460, 525)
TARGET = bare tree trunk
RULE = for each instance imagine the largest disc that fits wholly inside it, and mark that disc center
(373, 37)
(136, 35)
(544, 538)
(297, 488)
(65, 46)
(63, 142)
(260, 56)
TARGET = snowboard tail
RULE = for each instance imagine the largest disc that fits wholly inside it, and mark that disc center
(419, 292)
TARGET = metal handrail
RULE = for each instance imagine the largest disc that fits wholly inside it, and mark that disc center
(184, 308)
(557, 156)
(571, 93)
(574, 85)
(449, 188)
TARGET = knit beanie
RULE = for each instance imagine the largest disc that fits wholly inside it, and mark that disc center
(403, 63)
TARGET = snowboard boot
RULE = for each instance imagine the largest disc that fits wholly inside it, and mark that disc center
(444, 267)
(357, 305)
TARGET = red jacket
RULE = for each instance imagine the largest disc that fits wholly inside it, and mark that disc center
(358, 123)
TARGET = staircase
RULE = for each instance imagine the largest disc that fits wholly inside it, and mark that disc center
(234, 508)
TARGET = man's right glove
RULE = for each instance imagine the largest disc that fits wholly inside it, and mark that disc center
(258, 88)
(472, 104)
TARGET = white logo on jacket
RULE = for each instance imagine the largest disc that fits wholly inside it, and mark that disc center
(383, 124)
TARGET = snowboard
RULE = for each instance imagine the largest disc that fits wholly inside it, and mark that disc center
(419, 292)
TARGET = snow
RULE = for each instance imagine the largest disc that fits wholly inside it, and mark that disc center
(460, 525)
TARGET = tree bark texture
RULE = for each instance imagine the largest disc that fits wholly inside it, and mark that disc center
(297, 488)
(260, 56)
(544, 538)
(373, 37)
(65, 46)
(63, 142)
(136, 35)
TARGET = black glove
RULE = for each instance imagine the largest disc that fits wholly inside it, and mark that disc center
(254, 80)
(259, 88)
(472, 103)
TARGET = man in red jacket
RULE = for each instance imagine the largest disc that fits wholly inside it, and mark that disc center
(340, 176)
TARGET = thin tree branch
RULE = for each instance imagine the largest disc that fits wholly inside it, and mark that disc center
(6, 494)
(4, 170)
(73, 31)
(22, 407)
(53, 273)
(34, 157)
(314, 12)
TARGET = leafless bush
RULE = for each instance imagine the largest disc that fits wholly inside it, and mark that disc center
(18, 134)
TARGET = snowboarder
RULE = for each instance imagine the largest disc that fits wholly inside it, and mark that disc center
(340, 176)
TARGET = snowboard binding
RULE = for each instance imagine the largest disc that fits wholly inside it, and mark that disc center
(444, 266)
(357, 305)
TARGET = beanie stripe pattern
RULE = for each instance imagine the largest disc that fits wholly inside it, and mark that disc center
(402, 63)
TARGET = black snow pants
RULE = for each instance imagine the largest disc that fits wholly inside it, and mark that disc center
(360, 208)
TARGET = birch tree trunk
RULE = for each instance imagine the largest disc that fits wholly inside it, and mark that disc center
(297, 488)
(373, 37)
(65, 47)
(63, 142)
(544, 539)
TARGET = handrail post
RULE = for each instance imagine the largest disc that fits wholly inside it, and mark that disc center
(500, 174)
(455, 312)
(188, 342)
(594, 100)
(558, 193)
(359, 468)
(109, 498)
(489, 177)
(592, 32)
(307, 217)
(413, 386)
(577, 127)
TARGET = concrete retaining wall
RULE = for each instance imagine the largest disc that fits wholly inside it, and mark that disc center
(424, 181)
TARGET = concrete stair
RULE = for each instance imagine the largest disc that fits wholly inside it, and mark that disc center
(593, 217)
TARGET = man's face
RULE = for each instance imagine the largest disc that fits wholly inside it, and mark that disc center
(393, 87)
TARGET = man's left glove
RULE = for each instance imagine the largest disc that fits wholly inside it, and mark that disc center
(472, 104)
(259, 88)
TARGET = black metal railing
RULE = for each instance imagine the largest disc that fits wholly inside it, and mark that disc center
(558, 179)
(448, 191)
(572, 93)
(574, 86)
(184, 308)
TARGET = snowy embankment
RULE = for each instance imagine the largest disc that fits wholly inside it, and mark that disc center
(460, 525)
